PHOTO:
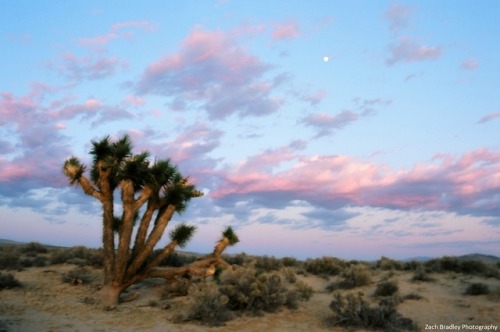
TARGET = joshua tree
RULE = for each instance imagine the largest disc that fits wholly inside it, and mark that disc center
(156, 187)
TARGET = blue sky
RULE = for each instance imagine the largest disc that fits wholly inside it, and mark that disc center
(391, 147)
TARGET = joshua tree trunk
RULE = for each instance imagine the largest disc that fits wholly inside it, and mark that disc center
(164, 190)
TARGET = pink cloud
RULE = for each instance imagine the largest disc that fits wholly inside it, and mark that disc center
(408, 50)
(326, 124)
(285, 31)
(87, 67)
(212, 68)
(399, 16)
(469, 64)
(315, 98)
(134, 101)
(118, 30)
(489, 117)
(463, 185)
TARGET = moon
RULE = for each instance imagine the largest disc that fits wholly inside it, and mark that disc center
(325, 59)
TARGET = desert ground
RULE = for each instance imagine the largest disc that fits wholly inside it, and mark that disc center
(45, 303)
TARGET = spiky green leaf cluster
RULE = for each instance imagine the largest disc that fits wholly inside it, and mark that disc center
(231, 236)
(182, 233)
(73, 169)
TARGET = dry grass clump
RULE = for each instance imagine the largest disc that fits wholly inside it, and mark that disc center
(78, 255)
(325, 266)
(78, 276)
(354, 311)
(267, 263)
(477, 288)
(7, 280)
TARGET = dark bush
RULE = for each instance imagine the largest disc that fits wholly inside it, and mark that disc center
(9, 259)
(34, 248)
(353, 311)
(175, 259)
(38, 261)
(477, 289)
(7, 280)
(386, 288)
(473, 267)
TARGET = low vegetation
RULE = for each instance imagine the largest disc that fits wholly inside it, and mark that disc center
(352, 310)
(253, 285)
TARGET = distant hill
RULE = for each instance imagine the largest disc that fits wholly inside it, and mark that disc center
(7, 242)
(490, 259)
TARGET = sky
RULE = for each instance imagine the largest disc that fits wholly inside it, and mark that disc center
(354, 129)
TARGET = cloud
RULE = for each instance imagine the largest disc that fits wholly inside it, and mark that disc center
(91, 109)
(117, 31)
(212, 69)
(469, 64)
(399, 16)
(489, 117)
(325, 124)
(406, 49)
(87, 68)
(468, 184)
(286, 31)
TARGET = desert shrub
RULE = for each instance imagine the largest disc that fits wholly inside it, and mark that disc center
(355, 276)
(38, 261)
(325, 266)
(421, 275)
(386, 264)
(443, 264)
(177, 287)
(267, 263)
(249, 290)
(477, 288)
(290, 262)
(208, 305)
(78, 276)
(411, 265)
(78, 255)
(473, 267)
(34, 248)
(239, 259)
(289, 275)
(386, 288)
(175, 259)
(353, 311)
(304, 291)
(9, 259)
(7, 280)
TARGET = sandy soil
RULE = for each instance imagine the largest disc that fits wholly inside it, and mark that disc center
(45, 303)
